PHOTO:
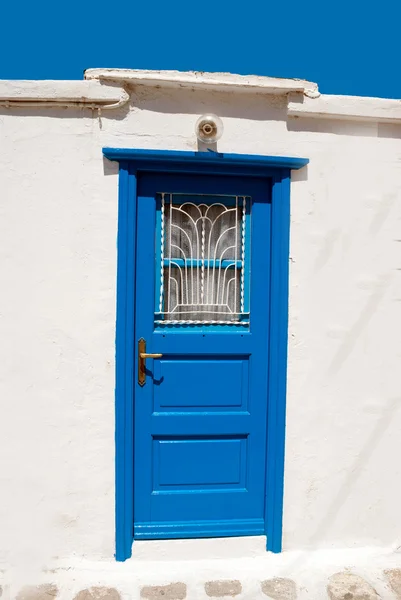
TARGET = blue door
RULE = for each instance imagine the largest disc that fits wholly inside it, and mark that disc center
(202, 310)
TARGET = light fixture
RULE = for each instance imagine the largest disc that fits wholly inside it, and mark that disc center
(209, 128)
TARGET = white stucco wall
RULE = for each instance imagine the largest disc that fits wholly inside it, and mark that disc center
(58, 225)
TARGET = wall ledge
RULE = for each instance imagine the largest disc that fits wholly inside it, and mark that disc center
(106, 89)
(61, 93)
(202, 80)
(355, 108)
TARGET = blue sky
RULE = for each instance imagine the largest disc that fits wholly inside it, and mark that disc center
(347, 47)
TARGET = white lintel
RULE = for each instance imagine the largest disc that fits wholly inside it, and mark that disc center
(354, 108)
(200, 79)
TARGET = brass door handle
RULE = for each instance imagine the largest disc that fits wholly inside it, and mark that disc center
(142, 356)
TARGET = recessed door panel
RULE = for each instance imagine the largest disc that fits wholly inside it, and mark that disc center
(199, 463)
(182, 385)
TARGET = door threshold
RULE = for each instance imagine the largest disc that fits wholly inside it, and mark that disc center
(199, 548)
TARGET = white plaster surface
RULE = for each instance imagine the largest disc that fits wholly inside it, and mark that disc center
(58, 226)
(202, 80)
(42, 91)
(346, 107)
(310, 570)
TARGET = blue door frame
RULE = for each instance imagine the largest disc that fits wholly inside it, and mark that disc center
(131, 162)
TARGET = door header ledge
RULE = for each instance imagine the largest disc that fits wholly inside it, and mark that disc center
(150, 160)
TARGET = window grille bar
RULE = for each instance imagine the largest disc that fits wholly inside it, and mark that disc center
(202, 259)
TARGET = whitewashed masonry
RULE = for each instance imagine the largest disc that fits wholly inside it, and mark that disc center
(58, 224)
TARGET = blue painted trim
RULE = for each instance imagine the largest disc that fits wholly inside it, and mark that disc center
(149, 159)
(192, 162)
(236, 527)
(124, 396)
(277, 360)
(158, 254)
(247, 272)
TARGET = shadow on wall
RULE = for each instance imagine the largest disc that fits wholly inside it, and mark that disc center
(300, 174)
(240, 105)
(386, 412)
(340, 126)
(386, 415)
(251, 106)
(344, 127)
(110, 167)
(243, 105)
(258, 107)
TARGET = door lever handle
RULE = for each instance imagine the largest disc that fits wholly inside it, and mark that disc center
(142, 356)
